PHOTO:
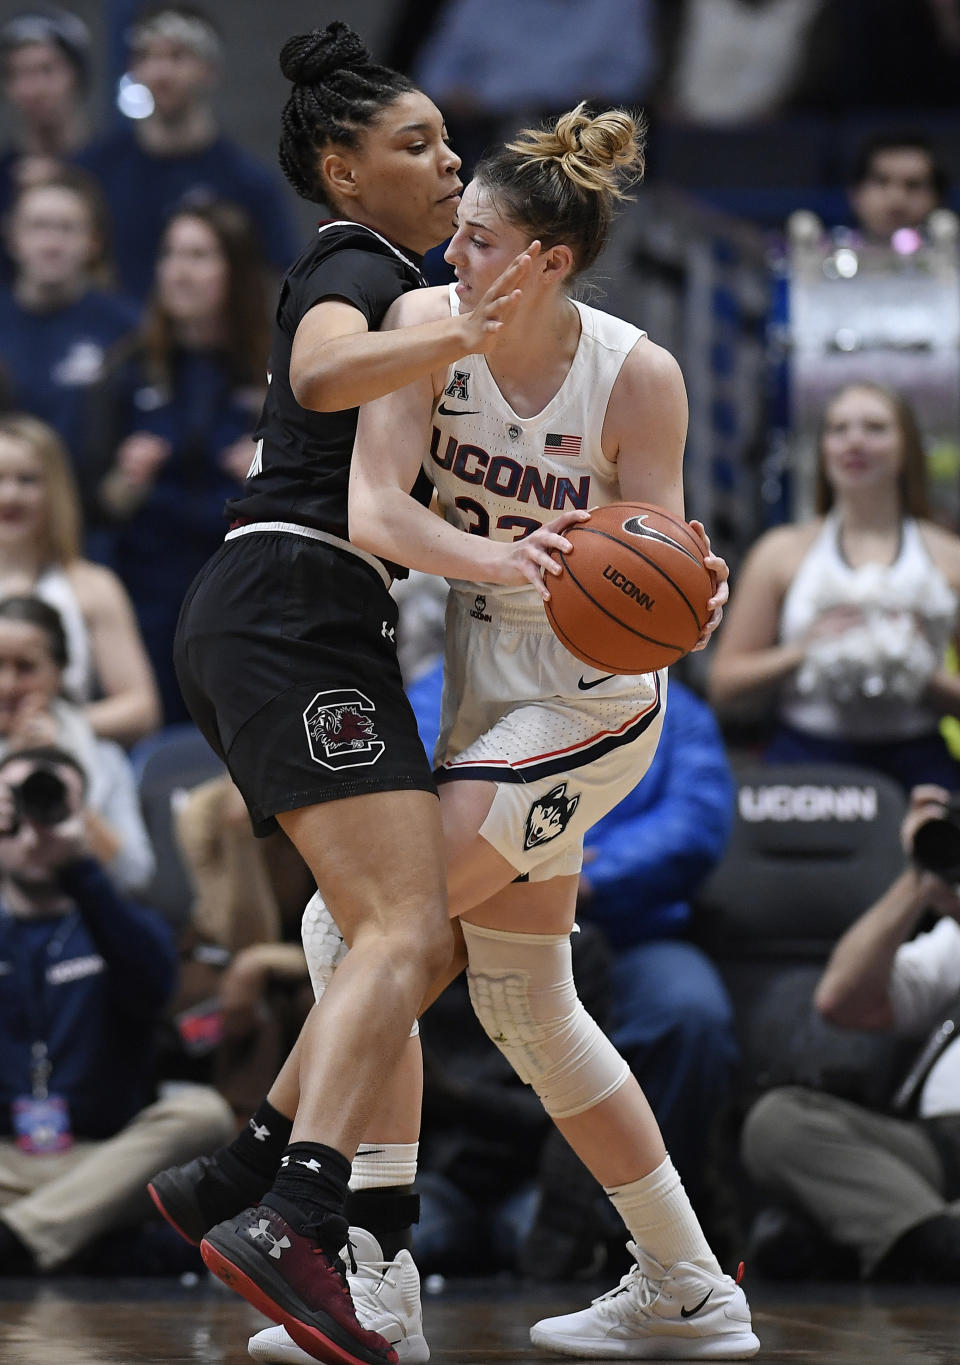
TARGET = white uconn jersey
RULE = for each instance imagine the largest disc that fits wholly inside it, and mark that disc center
(502, 476)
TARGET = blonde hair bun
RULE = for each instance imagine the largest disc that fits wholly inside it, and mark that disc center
(600, 153)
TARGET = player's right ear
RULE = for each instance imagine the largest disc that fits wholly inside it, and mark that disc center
(338, 176)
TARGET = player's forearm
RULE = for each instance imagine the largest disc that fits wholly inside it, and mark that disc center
(356, 369)
(396, 527)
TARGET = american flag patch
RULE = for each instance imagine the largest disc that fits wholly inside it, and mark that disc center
(558, 444)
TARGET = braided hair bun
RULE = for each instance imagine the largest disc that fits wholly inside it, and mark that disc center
(307, 58)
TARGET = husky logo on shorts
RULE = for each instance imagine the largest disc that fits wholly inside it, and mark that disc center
(549, 817)
(340, 729)
(479, 612)
(459, 386)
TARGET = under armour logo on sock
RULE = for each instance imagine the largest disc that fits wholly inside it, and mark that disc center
(277, 1245)
(260, 1132)
(312, 1165)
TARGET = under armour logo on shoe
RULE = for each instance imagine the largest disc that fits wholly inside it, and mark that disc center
(277, 1245)
(260, 1131)
(312, 1165)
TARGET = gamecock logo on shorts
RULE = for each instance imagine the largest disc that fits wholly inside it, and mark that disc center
(549, 816)
(340, 729)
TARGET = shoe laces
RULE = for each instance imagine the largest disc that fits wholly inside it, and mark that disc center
(642, 1290)
(366, 1279)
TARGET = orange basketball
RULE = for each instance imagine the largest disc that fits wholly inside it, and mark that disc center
(634, 589)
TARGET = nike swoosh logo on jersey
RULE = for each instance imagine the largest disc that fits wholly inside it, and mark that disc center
(457, 412)
(586, 686)
(688, 1313)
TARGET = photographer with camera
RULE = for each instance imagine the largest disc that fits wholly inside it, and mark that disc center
(34, 710)
(85, 975)
(883, 1187)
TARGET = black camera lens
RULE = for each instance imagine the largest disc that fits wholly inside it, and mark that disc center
(936, 844)
(42, 798)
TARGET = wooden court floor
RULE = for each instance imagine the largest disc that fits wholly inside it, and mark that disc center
(146, 1322)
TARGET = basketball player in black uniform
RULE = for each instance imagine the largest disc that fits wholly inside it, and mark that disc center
(285, 651)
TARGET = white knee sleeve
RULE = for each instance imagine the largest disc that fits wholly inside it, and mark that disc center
(522, 991)
(323, 944)
(324, 948)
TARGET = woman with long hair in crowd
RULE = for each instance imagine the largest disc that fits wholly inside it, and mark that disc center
(106, 670)
(170, 427)
(841, 624)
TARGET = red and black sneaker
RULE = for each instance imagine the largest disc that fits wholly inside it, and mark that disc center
(197, 1196)
(288, 1276)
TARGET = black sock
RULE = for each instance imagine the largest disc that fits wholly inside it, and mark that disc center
(310, 1191)
(389, 1213)
(261, 1144)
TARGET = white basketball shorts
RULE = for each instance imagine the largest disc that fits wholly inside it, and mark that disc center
(562, 741)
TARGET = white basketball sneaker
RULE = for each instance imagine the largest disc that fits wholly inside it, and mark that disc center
(683, 1313)
(386, 1295)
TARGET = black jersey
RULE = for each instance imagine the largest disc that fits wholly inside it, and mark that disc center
(302, 466)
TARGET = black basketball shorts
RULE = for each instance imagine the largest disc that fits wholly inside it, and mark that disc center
(286, 657)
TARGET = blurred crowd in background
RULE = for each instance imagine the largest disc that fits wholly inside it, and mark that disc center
(795, 245)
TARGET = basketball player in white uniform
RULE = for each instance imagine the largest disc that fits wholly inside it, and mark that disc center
(571, 408)
(562, 742)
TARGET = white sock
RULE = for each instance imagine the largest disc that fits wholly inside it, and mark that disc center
(661, 1219)
(379, 1166)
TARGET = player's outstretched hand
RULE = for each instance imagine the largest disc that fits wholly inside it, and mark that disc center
(531, 559)
(495, 309)
(719, 572)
